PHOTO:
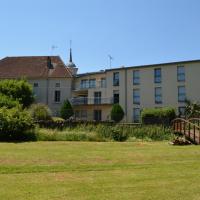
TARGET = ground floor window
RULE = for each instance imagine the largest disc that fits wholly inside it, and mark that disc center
(181, 111)
(136, 115)
(97, 115)
(81, 114)
(57, 96)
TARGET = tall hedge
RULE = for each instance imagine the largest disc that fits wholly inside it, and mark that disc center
(117, 113)
(19, 90)
(66, 110)
(158, 115)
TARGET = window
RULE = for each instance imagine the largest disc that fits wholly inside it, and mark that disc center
(136, 115)
(57, 96)
(97, 115)
(57, 84)
(136, 77)
(103, 82)
(83, 114)
(77, 114)
(136, 96)
(116, 96)
(180, 73)
(97, 97)
(35, 85)
(92, 83)
(181, 111)
(157, 75)
(116, 79)
(84, 84)
(181, 94)
(158, 95)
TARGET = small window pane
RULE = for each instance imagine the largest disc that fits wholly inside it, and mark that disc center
(136, 96)
(116, 79)
(158, 95)
(136, 115)
(181, 94)
(35, 85)
(181, 73)
(136, 77)
(57, 84)
(92, 83)
(157, 75)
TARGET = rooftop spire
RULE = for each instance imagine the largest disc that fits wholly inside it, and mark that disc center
(70, 56)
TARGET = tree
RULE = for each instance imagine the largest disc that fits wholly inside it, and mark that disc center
(66, 110)
(192, 109)
(19, 90)
(7, 102)
(117, 113)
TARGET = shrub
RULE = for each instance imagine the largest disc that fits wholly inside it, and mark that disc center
(66, 110)
(40, 112)
(14, 123)
(117, 113)
(19, 90)
(118, 134)
(7, 102)
(158, 116)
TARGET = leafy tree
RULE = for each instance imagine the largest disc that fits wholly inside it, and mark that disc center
(66, 110)
(192, 109)
(19, 90)
(117, 113)
(7, 102)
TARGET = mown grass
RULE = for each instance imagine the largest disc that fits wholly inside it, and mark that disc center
(106, 133)
(92, 170)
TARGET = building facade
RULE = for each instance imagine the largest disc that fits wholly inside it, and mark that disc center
(93, 94)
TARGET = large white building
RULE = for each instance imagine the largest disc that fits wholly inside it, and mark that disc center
(93, 94)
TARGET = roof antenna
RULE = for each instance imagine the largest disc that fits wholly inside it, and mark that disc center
(110, 60)
(53, 47)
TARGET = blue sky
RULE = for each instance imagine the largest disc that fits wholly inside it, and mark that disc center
(134, 32)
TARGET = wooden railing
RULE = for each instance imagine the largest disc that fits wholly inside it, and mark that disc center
(189, 128)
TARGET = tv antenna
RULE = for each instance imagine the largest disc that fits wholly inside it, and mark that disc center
(110, 60)
(53, 47)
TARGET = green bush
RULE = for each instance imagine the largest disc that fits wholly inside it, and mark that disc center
(19, 90)
(162, 116)
(66, 110)
(7, 102)
(40, 112)
(118, 134)
(117, 113)
(14, 123)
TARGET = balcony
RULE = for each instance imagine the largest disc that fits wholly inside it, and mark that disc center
(87, 85)
(91, 101)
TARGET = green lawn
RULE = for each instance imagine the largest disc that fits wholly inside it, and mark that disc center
(89, 170)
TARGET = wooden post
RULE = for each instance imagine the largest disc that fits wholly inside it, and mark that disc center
(189, 131)
(184, 127)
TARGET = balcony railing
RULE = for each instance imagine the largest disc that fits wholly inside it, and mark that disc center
(86, 86)
(91, 101)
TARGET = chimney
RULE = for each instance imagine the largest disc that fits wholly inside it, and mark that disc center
(49, 64)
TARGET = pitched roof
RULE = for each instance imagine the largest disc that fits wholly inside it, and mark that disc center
(33, 67)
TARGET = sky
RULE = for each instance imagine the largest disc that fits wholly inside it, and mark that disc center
(133, 32)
